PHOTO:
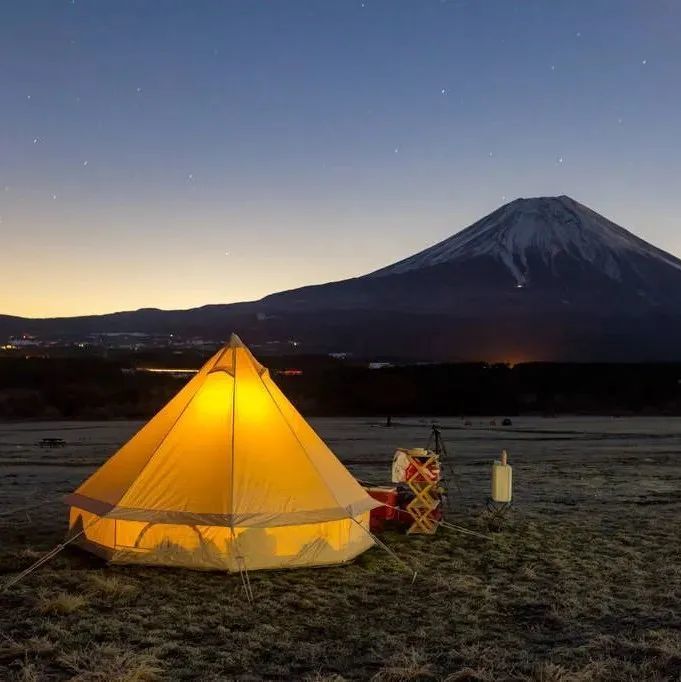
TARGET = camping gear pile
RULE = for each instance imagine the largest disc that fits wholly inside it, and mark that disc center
(415, 503)
(419, 469)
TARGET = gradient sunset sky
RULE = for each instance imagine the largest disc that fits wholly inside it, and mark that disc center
(173, 154)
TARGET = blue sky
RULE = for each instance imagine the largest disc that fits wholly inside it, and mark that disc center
(174, 154)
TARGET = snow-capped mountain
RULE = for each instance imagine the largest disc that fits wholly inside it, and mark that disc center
(544, 278)
(545, 229)
(544, 253)
(537, 279)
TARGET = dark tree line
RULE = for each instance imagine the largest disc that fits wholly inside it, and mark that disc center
(103, 388)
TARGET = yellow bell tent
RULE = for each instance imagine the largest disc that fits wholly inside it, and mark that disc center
(226, 476)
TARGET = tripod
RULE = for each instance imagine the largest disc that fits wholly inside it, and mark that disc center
(437, 445)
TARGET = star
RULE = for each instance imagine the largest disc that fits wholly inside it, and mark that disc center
(28, 97)
(35, 140)
(644, 61)
(139, 89)
(491, 154)
(553, 67)
(397, 149)
(226, 253)
(190, 176)
(579, 34)
(560, 159)
(443, 91)
(54, 196)
(85, 163)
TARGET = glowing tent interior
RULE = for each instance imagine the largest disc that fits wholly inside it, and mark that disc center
(228, 475)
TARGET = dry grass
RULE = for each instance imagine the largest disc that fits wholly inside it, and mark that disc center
(24, 656)
(113, 588)
(569, 600)
(467, 675)
(407, 666)
(109, 663)
(565, 593)
(60, 604)
(10, 649)
(28, 672)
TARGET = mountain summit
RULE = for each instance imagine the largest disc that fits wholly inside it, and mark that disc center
(538, 279)
(546, 230)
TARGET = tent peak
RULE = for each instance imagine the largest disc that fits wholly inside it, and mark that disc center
(225, 359)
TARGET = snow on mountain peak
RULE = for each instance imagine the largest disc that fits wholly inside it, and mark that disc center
(544, 228)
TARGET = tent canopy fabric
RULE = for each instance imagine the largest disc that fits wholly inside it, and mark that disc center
(227, 455)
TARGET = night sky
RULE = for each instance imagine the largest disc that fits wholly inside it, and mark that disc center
(173, 154)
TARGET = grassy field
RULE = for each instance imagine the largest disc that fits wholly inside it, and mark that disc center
(582, 583)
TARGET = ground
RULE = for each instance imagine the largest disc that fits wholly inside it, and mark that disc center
(583, 582)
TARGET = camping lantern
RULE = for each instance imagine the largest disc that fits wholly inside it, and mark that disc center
(502, 480)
